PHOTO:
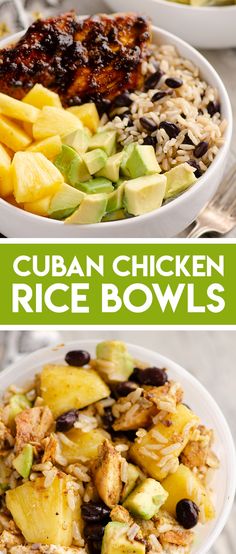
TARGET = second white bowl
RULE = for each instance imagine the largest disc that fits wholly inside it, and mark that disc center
(196, 396)
(204, 27)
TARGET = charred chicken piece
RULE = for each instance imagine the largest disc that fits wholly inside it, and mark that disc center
(82, 59)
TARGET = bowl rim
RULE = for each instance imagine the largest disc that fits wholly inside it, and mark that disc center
(204, 9)
(31, 218)
(37, 357)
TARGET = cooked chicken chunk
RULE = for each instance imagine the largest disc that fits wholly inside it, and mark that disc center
(83, 59)
(32, 425)
(107, 474)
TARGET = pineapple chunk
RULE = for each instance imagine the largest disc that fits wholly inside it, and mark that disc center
(43, 514)
(12, 135)
(39, 207)
(184, 484)
(55, 121)
(28, 128)
(50, 146)
(40, 96)
(79, 443)
(158, 440)
(17, 110)
(88, 114)
(6, 186)
(65, 388)
(34, 177)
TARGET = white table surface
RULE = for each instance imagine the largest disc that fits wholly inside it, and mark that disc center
(209, 355)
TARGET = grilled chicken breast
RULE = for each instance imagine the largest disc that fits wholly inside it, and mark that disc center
(91, 59)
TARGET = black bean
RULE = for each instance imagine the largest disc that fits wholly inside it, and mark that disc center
(108, 419)
(200, 149)
(94, 547)
(171, 129)
(77, 358)
(213, 107)
(66, 421)
(173, 83)
(187, 513)
(195, 164)
(153, 376)
(188, 140)
(153, 80)
(148, 124)
(150, 140)
(94, 532)
(103, 106)
(122, 100)
(95, 512)
(123, 389)
(160, 94)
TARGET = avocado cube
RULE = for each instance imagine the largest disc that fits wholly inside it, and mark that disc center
(115, 540)
(111, 169)
(126, 153)
(17, 403)
(122, 363)
(79, 140)
(96, 186)
(179, 178)
(133, 473)
(146, 499)
(65, 201)
(105, 140)
(142, 161)
(114, 216)
(24, 461)
(71, 165)
(95, 160)
(144, 194)
(91, 210)
(115, 199)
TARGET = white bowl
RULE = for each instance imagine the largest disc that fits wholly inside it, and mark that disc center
(196, 396)
(167, 221)
(204, 27)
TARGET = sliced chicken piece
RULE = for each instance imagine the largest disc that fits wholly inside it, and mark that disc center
(32, 425)
(107, 474)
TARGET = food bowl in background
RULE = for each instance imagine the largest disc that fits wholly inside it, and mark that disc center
(203, 26)
(167, 221)
(196, 396)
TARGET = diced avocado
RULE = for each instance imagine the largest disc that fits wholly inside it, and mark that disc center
(122, 363)
(105, 140)
(65, 202)
(142, 161)
(24, 461)
(179, 178)
(17, 404)
(114, 216)
(95, 160)
(115, 540)
(119, 182)
(111, 169)
(146, 499)
(144, 194)
(126, 153)
(79, 140)
(78, 171)
(71, 165)
(133, 474)
(91, 210)
(96, 186)
(115, 199)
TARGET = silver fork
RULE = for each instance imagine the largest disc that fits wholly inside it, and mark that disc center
(219, 215)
